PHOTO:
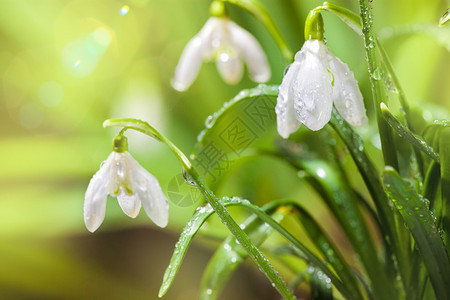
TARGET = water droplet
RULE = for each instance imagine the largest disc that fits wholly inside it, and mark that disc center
(209, 121)
(377, 74)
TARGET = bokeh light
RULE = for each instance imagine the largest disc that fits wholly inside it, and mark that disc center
(124, 10)
(50, 93)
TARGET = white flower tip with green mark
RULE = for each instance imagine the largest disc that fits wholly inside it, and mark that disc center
(121, 176)
(230, 46)
(314, 81)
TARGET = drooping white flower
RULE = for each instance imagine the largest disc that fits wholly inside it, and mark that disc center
(121, 176)
(229, 45)
(314, 81)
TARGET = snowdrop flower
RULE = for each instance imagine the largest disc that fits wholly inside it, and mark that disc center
(312, 83)
(229, 45)
(121, 176)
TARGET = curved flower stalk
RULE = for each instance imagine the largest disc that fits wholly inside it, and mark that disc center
(229, 45)
(121, 176)
(314, 81)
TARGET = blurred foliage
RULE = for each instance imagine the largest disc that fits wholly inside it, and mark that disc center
(66, 66)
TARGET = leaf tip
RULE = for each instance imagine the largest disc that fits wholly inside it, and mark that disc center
(106, 123)
(162, 290)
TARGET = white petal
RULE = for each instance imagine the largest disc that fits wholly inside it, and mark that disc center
(150, 194)
(251, 51)
(188, 65)
(312, 87)
(130, 204)
(193, 54)
(346, 94)
(119, 172)
(286, 120)
(96, 196)
(230, 67)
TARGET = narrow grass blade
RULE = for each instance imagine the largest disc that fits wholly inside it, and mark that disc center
(230, 254)
(405, 133)
(371, 177)
(186, 237)
(332, 255)
(444, 151)
(320, 286)
(420, 221)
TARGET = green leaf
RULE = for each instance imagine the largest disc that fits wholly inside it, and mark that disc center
(332, 255)
(320, 285)
(431, 182)
(186, 237)
(252, 109)
(230, 254)
(371, 177)
(344, 205)
(444, 151)
(420, 221)
(233, 129)
(378, 87)
(145, 128)
(405, 133)
(297, 245)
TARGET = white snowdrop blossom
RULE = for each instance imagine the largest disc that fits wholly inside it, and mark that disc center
(229, 45)
(121, 176)
(312, 83)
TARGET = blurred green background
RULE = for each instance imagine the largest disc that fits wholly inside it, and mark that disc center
(66, 66)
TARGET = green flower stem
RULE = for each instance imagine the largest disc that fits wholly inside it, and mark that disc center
(220, 210)
(120, 143)
(314, 26)
(354, 22)
(242, 237)
(403, 102)
(256, 9)
(377, 83)
(401, 93)
(217, 9)
(347, 16)
(144, 127)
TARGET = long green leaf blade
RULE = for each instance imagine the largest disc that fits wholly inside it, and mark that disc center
(186, 237)
(332, 255)
(298, 246)
(371, 177)
(405, 133)
(234, 128)
(420, 221)
(444, 151)
(230, 254)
